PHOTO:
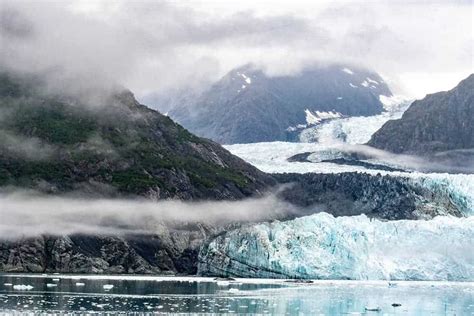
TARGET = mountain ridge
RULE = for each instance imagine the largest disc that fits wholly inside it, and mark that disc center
(246, 105)
(433, 126)
(122, 145)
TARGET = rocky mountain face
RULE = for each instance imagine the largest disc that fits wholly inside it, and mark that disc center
(170, 251)
(436, 126)
(248, 106)
(112, 146)
(383, 197)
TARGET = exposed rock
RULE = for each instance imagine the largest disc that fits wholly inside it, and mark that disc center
(247, 106)
(383, 197)
(438, 124)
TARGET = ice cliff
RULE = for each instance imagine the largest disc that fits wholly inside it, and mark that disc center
(321, 246)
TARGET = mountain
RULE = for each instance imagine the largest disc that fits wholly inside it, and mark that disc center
(93, 146)
(110, 146)
(438, 125)
(247, 105)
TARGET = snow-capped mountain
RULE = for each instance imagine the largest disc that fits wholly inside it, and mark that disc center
(248, 106)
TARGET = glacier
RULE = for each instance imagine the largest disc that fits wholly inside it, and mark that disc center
(272, 157)
(321, 246)
(352, 130)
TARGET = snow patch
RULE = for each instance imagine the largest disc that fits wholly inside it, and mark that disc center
(365, 83)
(313, 118)
(372, 81)
(352, 85)
(348, 71)
(247, 79)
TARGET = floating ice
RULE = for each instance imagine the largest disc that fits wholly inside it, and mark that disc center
(107, 286)
(352, 85)
(80, 284)
(22, 287)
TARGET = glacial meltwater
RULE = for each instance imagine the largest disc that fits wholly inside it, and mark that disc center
(146, 294)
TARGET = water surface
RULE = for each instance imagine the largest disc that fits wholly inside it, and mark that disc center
(125, 294)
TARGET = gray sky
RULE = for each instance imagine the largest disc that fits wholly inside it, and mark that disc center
(418, 46)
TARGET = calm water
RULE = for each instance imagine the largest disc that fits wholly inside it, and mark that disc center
(98, 294)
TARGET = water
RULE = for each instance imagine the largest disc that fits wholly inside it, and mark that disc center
(205, 295)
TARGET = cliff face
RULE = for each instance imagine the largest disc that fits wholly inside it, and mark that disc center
(439, 123)
(112, 146)
(169, 251)
(321, 246)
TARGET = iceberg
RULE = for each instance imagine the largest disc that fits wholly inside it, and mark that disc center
(321, 246)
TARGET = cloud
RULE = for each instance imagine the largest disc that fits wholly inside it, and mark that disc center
(28, 214)
(29, 148)
(152, 46)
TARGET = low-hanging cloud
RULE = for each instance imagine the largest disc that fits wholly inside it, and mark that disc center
(456, 161)
(153, 46)
(26, 214)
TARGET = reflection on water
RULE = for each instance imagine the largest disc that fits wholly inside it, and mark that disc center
(54, 293)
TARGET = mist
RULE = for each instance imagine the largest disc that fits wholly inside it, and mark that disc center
(28, 214)
(456, 161)
(153, 46)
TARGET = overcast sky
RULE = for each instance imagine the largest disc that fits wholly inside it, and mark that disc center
(418, 46)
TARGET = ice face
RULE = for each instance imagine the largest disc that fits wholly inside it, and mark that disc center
(321, 246)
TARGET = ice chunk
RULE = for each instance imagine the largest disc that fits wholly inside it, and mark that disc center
(107, 286)
(352, 85)
(22, 287)
(365, 83)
